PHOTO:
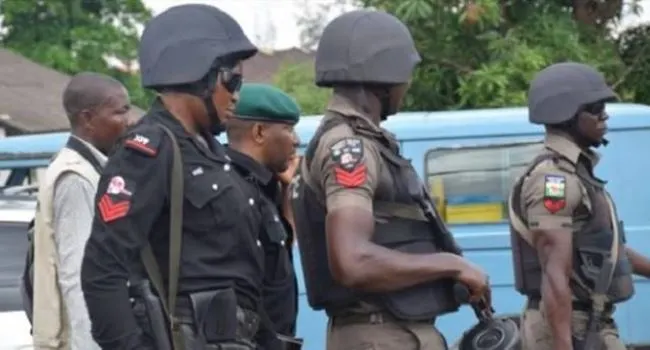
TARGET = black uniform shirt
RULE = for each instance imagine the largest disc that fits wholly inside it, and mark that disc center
(280, 286)
(220, 231)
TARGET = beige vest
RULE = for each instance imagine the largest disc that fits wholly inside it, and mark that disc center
(50, 323)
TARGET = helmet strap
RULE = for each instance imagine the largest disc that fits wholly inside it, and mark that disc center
(202, 89)
(210, 82)
(383, 95)
(571, 127)
(385, 107)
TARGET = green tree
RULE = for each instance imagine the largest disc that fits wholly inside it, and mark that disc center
(77, 35)
(634, 48)
(483, 53)
(314, 16)
(298, 81)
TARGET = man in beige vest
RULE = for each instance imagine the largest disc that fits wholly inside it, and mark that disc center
(98, 109)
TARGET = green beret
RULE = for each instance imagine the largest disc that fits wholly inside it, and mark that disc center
(263, 102)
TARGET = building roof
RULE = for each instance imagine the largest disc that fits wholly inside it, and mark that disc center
(262, 67)
(30, 95)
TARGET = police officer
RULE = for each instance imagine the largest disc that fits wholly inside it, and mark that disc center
(191, 55)
(261, 144)
(369, 255)
(562, 218)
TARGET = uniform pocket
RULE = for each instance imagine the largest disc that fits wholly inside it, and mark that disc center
(212, 203)
(274, 237)
(274, 228)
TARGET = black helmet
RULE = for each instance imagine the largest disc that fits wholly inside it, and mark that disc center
(365, 46)
(491, 334)
(558, 91)
(180, 45)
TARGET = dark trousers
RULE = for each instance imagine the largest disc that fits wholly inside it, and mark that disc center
(192, 341)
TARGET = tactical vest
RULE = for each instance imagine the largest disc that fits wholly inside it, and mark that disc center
(592, 243)
(397, 229)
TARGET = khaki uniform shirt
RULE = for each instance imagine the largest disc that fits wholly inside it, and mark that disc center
(559, 182)
(347, 168)
(552, 192)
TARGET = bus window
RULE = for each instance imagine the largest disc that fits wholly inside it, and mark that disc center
(472, 184)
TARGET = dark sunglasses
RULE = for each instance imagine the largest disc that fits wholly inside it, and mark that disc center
(596, 110)
(230, 80)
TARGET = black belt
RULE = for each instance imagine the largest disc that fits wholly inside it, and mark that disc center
(248, 321)
(585, 306)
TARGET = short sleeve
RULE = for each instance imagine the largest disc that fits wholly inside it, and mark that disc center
(349, 172)
(550, 197)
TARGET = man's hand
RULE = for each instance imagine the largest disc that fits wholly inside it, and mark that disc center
(286, 176)
(476, 280)
(640, 264)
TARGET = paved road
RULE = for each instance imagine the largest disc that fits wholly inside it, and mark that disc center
(13, 247)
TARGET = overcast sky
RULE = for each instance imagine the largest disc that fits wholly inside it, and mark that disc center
(254, 16)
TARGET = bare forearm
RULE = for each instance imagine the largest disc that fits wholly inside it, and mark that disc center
(640, 264)
(378, 269)
(556, 298)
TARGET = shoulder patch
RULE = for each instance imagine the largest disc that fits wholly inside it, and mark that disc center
(347, 155)
(144, 141)
(554, 193)
(116, 200)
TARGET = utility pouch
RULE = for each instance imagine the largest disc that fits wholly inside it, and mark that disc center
(215, 315)
(150, 315)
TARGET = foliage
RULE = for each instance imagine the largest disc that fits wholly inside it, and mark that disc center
(483, 53)
(634, 48)
(314, 16)
(298, 81)
(72, 36)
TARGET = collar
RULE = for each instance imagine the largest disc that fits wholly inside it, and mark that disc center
(101, 158)
(250, 166)
(561, 143)
(161, 115)
(344, 106)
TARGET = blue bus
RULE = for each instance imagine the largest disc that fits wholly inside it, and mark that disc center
(469, 159)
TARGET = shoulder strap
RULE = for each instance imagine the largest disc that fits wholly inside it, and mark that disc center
(599, 296)
(175, 241)
(305, 162)
(78, 146)
(328, 125)
(514, 201)
(517, 222)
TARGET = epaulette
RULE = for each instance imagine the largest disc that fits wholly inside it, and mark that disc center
(144, 139)
(564, 164)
